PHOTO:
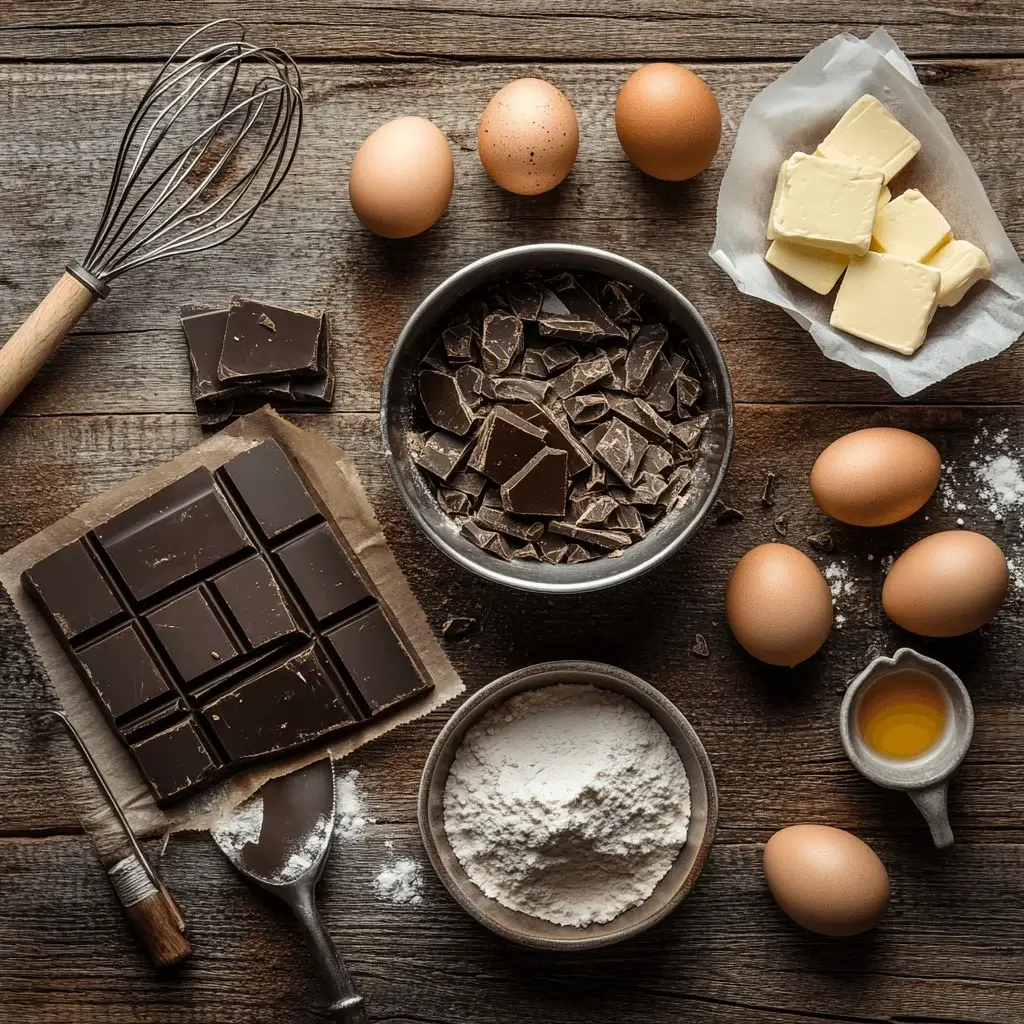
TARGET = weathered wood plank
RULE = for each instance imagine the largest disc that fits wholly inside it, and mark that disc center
(307, 246)
(772, 735)
(727, 956)
(530, 29)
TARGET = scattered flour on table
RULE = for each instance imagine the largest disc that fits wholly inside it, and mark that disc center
(568, 803)
(400, 880)
(840, 584)
(240, 827)
(351, 818)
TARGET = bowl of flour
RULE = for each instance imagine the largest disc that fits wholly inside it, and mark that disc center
(568, 805)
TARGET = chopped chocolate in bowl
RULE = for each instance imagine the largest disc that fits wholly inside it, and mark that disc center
(550, 408)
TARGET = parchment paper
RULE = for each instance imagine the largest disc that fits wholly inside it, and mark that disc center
(795, 113)
(335, 478)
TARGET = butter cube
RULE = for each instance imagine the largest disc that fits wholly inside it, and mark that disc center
(910, 227)
(887, 300)
(817, 269)
(868, 136)
(962, 265)
(826, 204)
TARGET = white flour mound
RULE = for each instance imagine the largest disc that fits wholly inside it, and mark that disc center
(568, 803)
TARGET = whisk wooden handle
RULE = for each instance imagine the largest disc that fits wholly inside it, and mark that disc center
(40, 335)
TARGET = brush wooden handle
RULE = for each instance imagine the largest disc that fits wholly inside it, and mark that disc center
(158, 922)
(40, 335)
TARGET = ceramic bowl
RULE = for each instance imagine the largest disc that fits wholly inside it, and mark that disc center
(401, 420)
(531, 931)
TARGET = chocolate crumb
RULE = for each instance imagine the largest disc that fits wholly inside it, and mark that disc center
(725, 513)
(781, 524)
(768, 492)
(457, 626)
(700, 646)
(264, 321)
(823, 542)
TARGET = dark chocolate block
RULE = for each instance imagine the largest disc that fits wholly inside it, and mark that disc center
(214, 622)
(266, 342)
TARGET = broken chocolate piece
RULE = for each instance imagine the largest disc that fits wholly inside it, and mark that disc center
(608, 539)
(679, 479)
(444, 403)
(780, 524)
(596, 510)
(689, 432)
(455, 503)
(519, 389)
(621, 449)
(688, 391)
(500, 546)
(250, 351)
(436, 358)
(617, 358)
(626, 517)
(585, 409)
(524, 298)
(620, 302)
(768, 491)
(540, 487)
(579, 302)
(471, 381)
(823, 542)
(578, 553)
(457, 626)
(469, 482)
(560, 435)
(441, 453)
(505, 444)
(659, 391)
(527, 553)
(597, 478)
(552, 549)
(594, 437)
(700, 646)
(648, 489)
(501, 522)
(477, 534)
(655, 460)
(502, 341)
(646, 345)
(534, 365)
(582, 375)
(459, 340)
(724, 513)
(641, 417)
(558, 357)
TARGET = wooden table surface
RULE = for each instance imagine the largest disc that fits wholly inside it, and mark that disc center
(115, 402)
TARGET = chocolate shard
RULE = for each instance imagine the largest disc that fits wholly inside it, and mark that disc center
(641, 417)
(436, 358)
(583, 305)
(457, 626)
(626, 517)
(688, 391)
(645, 347)
(620, 302)
(596, 511)
(594, 437)
(459, 341)
(519, 389)
(610, 540)
(527, 553)
(505, 444)
(689, 432)
(585, 409)
(597, 479)
(559, 357)
(700, 646)
(578, 553)
(617, 357)
(582, 375)
(500, 546)
(501, 522)
(441, 453)
(656, 460)
(648, 489)
(502, 342)
(471, 381)
(455, 503)
(540, 487)
(524, 298)
(621, 450)
(552, 549)
(492, 498)
(534, 365)
(823, 542)
(469, 482)
(477, 534)
(659, 391)
(768, 491)
(780, 524)
(725, 513)
(444, 403)
(679, 479)
(560, 434)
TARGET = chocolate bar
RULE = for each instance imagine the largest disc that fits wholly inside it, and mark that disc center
(223, 621)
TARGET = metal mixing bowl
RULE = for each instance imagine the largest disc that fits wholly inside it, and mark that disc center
(401, 420)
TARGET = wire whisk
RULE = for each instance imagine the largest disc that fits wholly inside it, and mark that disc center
(211, 140)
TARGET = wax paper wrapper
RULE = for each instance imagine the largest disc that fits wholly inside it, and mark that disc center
(795, 113)
(336, 480)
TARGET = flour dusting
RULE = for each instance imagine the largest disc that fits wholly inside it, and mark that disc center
(568, 803)
(240, 827)
(400, 880)
(351, 818)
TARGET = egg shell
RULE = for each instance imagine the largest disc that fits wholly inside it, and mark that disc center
(668, 121)
(778, 605)
(876, 476)
(402, 177)
(528, 136)
(947, 584)
(826, 879)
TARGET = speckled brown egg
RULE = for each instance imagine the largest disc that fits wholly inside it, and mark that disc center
(825, 879)
(402, 177)
(528, 136)
(668, 121)
(947, 584)
(778, 605)
(876, 476)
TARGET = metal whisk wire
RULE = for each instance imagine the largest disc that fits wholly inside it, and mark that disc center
(185, 207)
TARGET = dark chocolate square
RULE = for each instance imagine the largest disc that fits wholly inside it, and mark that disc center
(375, 660)
(256, 603)
(175, 761)
(317, 565)
(71, 587)
(192, 635)
(123, 672)
(266, 342)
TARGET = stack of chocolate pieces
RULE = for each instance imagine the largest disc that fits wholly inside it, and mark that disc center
(564, 417)
(251, 353)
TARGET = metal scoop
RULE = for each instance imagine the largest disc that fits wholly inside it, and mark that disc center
(287, 860)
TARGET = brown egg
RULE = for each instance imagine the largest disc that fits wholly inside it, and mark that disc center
(668, 121)
(825, 879)
(947, 584)
(876, 476)
(402, 177)
(528, 136)
(778, 605)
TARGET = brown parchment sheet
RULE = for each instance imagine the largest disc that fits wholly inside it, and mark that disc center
(334, 476)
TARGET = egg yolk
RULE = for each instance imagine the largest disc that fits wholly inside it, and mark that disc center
(902, 715)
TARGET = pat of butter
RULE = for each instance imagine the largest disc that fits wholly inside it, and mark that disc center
(887, 300)
(826, 204)
(868, 136)
(910, 227)
(775, 200)
(817, 269)
(962, 266)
